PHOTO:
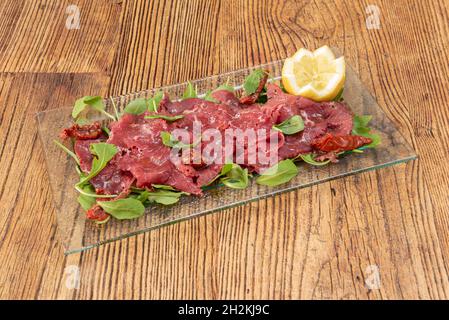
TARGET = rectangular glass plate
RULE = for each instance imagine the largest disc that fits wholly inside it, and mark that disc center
(78, 234)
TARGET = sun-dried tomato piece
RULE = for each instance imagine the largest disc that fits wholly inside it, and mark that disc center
(84, 132)
(252, 98)
(96, 213)
(331, 143)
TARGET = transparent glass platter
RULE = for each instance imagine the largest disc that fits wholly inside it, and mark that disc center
(78, 234)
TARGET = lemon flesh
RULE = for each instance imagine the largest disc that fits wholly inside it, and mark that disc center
(315, 75)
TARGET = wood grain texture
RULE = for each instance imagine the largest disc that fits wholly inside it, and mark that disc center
(34, 36)
(312, 243)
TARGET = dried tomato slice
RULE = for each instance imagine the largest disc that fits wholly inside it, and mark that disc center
(252, 98)
(85, 132)
(96, 213)
(331, 143)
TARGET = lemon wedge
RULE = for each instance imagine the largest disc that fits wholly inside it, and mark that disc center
(315, 75)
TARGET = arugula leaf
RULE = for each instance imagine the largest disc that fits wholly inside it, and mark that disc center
(262, 97)
(226, 168)
(163, 194)
(85, 101)
(252, 81)
(165, 117)
(89, 193)
(361, 128)
(140, 105)
(122, 209)
(362, 121)
(83, 104)
(292, 125)
(103, 153)
(189, 92)
(339, 96)
(86, 201)
(376, 140)
(143, 195)
(137, 106)
(153, 103)
(281, 85)
(163, 186)
(70, 153)
(169, 141)
(165, 197)
(234, 176)
(280, 173)
(310, 159)
(117, 115)
(226, 86)
(106, 130)
(208, 96)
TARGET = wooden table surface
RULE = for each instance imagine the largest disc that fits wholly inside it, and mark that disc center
(325, 241)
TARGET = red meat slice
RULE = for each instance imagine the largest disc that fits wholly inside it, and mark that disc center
(83, 153)
(136, 131)
(111, 180)
(144, 156)
(177, 107)
(209, 114)
(319, 118)
(227, 98)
